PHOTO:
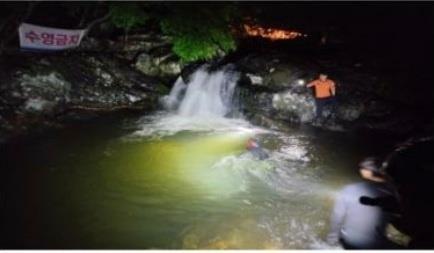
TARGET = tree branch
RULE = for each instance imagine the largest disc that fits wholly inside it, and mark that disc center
(97, 21)
(29, 11)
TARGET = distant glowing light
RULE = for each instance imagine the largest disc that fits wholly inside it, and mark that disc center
(271, 33)
(300, 82)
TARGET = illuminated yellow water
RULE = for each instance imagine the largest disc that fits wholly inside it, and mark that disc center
(91, 188)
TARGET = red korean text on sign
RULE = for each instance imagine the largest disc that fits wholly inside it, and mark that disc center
(73, 39)
(47, 38)
(32, 36)
(61, 39)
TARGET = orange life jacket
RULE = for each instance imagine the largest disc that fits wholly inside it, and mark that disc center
(323, 89)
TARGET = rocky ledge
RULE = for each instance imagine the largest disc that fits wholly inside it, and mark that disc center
(273, 92)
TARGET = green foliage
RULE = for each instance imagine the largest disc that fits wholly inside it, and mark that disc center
(199, 32)
(127, 15)
(192, 47)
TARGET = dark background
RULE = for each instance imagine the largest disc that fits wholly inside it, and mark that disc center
(403, 32)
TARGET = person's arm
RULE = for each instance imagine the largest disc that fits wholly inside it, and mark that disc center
(311, 84)
(337, 218)
(389, 204)
(333, 88)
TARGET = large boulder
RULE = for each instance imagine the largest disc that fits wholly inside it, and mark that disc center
(149, 53)
(38, 88)
(299, 106)
(275, 85)
(164, 66)
(42, 92)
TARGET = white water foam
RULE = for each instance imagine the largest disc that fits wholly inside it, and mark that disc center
(170, 124)
(209, 94)
(201, 105)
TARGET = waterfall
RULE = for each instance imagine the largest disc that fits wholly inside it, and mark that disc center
(206, 103)
(172, 100)
(207, 94)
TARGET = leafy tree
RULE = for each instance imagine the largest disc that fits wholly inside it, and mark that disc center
(127, 16)
(199, 32)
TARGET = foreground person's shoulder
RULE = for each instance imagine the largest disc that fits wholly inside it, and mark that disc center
(352, 187)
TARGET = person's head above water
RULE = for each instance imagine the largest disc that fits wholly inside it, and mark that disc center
(323, 76)
(370, 169)
(252, 143)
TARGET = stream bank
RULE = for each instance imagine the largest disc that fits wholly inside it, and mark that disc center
(369, 98)
(43, 89)
(40, 89)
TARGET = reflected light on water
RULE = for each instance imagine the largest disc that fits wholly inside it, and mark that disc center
(202, 189)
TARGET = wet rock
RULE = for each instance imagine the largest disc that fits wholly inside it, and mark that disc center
(273, 124)
(38, 105)
(38, 93)
(275, 87)
(158, 66)
(171, 68)
(145, 42)
(133, 98)
(300, 105)
(41, 88)
(255, 79)
(349, 112)
(282, 76)
(146, 65)
(149, 53)
(52, 84)
(106, 78)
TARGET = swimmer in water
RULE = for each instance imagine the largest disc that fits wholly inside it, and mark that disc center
(253, 146)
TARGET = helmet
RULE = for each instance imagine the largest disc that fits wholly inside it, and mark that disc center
(372, 164)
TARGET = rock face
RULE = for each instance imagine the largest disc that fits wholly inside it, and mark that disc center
(102, 75)
(152, 55)
(273, 88)
(110, 75)
(157, 66)
(40, 88)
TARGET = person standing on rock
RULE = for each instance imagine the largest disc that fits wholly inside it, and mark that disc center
(357, 222)
(325, 90)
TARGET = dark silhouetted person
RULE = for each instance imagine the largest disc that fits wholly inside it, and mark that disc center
(325, 91)
(254, 148)
(357, 225)
(411, 165)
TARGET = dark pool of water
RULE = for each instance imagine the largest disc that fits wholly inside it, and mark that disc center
(85, 186)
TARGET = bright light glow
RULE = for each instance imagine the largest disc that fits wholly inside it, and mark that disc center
(271, 33)
(300, 82)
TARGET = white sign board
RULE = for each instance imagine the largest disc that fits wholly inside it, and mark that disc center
(46, 38)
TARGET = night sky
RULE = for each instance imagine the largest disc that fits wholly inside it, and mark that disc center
(401, 31)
